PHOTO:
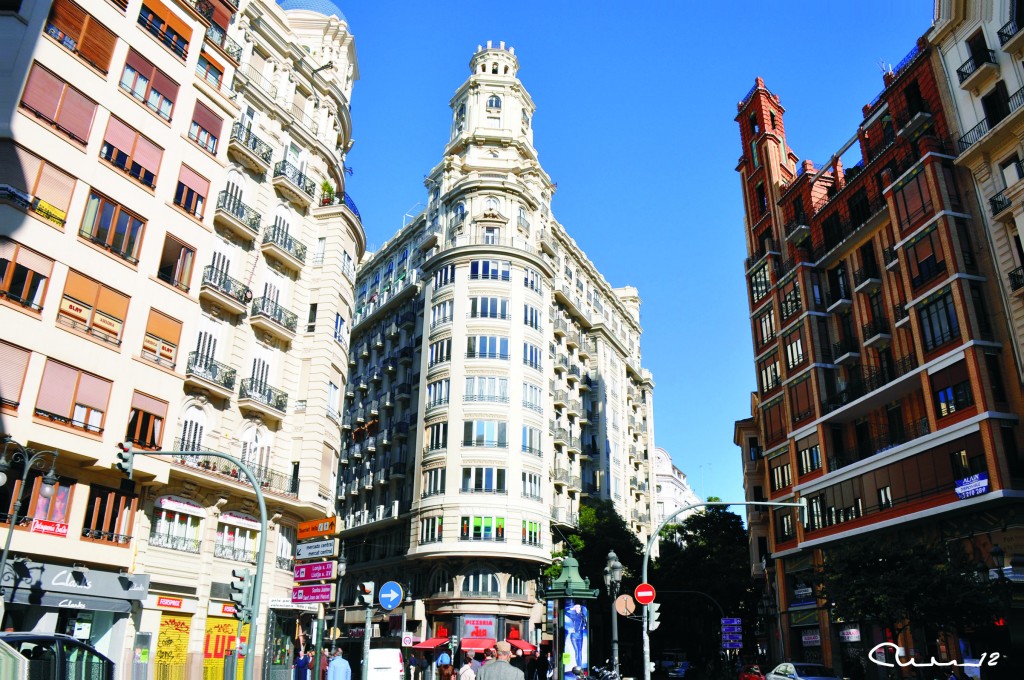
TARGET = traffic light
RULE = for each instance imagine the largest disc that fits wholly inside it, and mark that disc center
(125, 458)
(241, 593)
(802, 510)
(364, 593)
(454, 644)
(652, 616)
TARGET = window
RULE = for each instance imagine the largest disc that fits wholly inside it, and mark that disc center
(444, 276)
(173, 33)
(531, 536)
(476, 528)
(288, 538)
(56, 508)
(483, 480)
(146, 422)
(532, 356)
(531, 317)
(768, 369)
(206, 127)
(311, 318)
(794, 348)
(784, 527)
(438, 392)
(809, 455)
(64, 107)
(488, 307)
(112, 227)
(238, 537)
(437, 436)
(791, 303)
(913, 200)
(532, 441)
(441, 313)
(176, 263)
(440, 352)
(210, 71)
(801, 403)
(77, 31)
(430, 529)
(938, 320)
(23, 274)
(486, 347)
(191, 193)
(531, 486)
(766, 327)
(339, 329)
(72, 397)
(130, 152)
(781, 476)
(144, 81)
(486, 388)
(490, 269)
(995, 375)
(459, 215)
(923, 254)
(485, 433)
(533, 397)
(333, 400)
(965, 464)
(109, 516)
(533, 280)
(884, 497)
(91, 307)
(494, 102)
(775, 427)
(13, 364)
(951, 388)
(433, 481)
(36, 185)
(760, 283)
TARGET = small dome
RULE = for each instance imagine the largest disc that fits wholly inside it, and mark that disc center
(325, 7)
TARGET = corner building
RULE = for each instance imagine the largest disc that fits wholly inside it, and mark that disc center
(495, 383)
(884, 397)
(177, 264)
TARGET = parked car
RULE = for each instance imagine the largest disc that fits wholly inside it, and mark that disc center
(386, 664)
(59, 657)
(801, 671)
(751, 672)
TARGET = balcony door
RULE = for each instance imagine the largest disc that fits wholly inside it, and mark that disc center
(996, 104)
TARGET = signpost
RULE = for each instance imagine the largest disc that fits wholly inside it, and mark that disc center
(644, 593)
(315, 571)
(317, 528)
(317, 549)
(390, 595)
(319, 593)
(732, 633)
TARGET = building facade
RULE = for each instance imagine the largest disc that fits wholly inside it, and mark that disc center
(495, 382)
(884, 390)
(178, 268)
(671, 487)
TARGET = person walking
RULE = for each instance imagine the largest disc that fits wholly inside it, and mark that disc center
(500, 668)
(467, 672)
(339, 668)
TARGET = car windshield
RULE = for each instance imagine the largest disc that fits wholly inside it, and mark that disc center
(813, 671)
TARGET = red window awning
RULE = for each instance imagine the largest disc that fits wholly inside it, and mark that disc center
(523, 645)
(477, 644)
(431, 643)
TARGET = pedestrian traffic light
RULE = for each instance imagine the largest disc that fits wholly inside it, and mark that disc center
(454, 644)
(364, 593)
(241, 593)
(652, 616)
(125, 458)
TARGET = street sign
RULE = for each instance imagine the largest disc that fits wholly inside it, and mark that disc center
(318, 593)
(390, 595)
(407, 640)
(317, 527)
(732, 629)
(317, 549)
(732, 622)
(625, 605)
(316, 571)
(644, 593)
(732, 636)
(732, 645)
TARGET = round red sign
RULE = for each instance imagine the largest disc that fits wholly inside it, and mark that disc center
(644, 593)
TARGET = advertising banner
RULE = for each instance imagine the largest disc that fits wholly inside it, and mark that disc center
(576, 640)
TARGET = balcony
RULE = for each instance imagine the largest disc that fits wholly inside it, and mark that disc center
(908, 122)
(561, 397)
(206, 466)
(873, 379)
(236, 217)
(257, 396)
(891, 257)
(280, 245)
(217, 36)
(561, 436)
(1017, 281)
(224, 291)
(560, 326)
(976, 134)
(1011, 38)
(213, 376)
(900, 314)
(228, 552)
(294, 185)
(560, 477)
(186, 545)
(877, 333)
(977, 70)
(839, 299)
(883, 441)
(1000, 207)
(249, 150)
(845, 350)
(564, 517)
(547, 242)
(866, 279)
(272, 318)
(797, 230)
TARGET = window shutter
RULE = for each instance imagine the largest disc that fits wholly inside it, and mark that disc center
(140, 64)
(112, 303)
(952, 375)
(120, 135)
(163, 327)
(30, 259)
(164, 85)
(18, 167)
(42, 92)
(147, 154)
(76, 114)
(13, 362)
(207, 119)
(69, 19)
(172, 20)
(81, 288)
(57, 388)
(98, 46)
(55, 187)
(93, 391)
(194, 181)
(148, 404)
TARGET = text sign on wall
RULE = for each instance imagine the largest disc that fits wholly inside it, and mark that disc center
(975, 485)
(315, 571)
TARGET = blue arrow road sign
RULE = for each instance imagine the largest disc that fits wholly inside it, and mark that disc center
(731, 622)
(732, 645)
(391, 595)
(732, 629)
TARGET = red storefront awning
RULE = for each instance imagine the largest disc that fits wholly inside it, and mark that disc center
(431, 643)
(477, 644)
(523, 645)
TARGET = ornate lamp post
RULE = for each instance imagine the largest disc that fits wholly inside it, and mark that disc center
(612, 581)
(31, 460)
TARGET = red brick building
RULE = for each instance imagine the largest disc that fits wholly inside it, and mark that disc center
(886, 391)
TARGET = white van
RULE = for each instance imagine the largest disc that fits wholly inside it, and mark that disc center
(386, 664)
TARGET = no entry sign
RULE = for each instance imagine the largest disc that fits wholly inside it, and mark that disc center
(644, 593)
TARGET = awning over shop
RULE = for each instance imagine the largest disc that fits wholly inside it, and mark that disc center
(431, 643)
(68, 601)
(523, 645)
(477, 644)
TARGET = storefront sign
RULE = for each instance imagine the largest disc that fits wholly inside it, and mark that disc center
(849, 633)
(316, 549)
(182, 605)
(315, 571)
(478, 627)
(322, 593)
(45, 526)
(811, 637)
(220, 609)
(179, 504)
(317, 528)
(40, 577)
(240, 520)
(286, 603)
(975, 485)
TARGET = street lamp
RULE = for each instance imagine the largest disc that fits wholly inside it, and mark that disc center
(31, 460)
(612, 581)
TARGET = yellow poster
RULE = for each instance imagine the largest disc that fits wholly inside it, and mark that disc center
(172, 647)
(221, 634)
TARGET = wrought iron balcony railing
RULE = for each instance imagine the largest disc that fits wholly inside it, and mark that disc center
(246, 138)
(228, 552)
(975, 62)
(264, 394)
(281, 238)
(263, 306)
(206, 368)
(240, 211)
(225, 284)
(188, 545)
(219, 37)
(292, 173)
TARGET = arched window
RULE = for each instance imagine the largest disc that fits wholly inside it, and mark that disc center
(480, 581)
(516, 585)
(194, 422)
(460, 213)
(256, 449)
(494, 102)
(441, 582)
(234, 185)
(491, 203)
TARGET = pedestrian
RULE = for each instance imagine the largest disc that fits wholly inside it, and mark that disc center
(473, 661)
(500, 668)
(446, 671)
(339, 668)
(518, 661)
(467, 672)
(413, 666)
(531, 666)
(323, 664)
(488, 657)
(301, 666)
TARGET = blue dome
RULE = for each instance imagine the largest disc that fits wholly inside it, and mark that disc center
(325, 7)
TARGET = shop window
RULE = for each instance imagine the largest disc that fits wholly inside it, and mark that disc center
(476, 528)
(23, 275)
(176, 525)
(531, 536)
(72, 397)
(93, 308)
(237, 538)
(109, 516)
(49, 515)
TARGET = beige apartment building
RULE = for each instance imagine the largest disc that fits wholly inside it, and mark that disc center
(176, 270)
(495, 383)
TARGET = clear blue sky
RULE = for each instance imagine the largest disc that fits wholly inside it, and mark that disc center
(635, 107)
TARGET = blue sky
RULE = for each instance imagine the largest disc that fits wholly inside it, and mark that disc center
(635, 107)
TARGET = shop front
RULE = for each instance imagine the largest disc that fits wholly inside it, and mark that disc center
(805, 636)
(171, 617)
(288, 622)
(220, 638)
(88, 604)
